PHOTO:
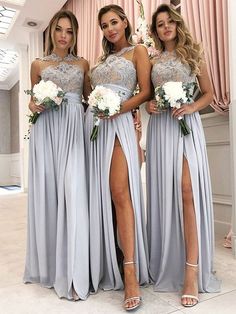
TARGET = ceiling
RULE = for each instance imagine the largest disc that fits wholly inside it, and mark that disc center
(38, 11)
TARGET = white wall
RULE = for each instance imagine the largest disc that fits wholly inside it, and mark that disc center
(232, 49)
(10, 169)
(216, 128)
(5, 139)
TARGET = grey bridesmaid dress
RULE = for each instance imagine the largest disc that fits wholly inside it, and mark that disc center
(118, 74)
(58, 245)
(166, 147)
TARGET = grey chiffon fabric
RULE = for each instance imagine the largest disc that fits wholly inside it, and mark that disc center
(57, 246)
(166, 148)
(118, 74)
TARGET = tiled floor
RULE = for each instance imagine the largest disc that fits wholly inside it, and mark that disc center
(18, 298)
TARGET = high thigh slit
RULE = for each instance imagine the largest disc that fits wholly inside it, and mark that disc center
(166, 148)
(118, 74)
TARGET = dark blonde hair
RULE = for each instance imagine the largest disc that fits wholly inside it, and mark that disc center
(107, 46)
(50, 44)
(186, 49)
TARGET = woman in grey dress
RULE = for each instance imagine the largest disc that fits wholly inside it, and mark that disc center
(179, 198)
(113, 163)
(57, 248)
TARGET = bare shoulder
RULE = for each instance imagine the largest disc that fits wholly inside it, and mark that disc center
(36, 66)
(36, 63)
(84, 63)
(140, 54)
(140, 49)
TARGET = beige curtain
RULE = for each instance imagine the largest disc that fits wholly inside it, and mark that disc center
(90, 35)
(208, 22)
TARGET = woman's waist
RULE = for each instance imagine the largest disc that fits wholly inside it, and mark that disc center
(123, 92)
(73, 97)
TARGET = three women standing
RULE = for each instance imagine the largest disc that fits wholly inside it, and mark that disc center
(57, 246)
(180, 216)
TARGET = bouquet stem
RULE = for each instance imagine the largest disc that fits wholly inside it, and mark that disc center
(184, 127)
(33, 117)
(94, 133)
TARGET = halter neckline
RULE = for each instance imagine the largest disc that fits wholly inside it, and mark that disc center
(123, 50)
(54, 57)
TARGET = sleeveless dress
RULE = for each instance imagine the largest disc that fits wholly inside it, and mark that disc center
(166, 147)
(57, 246)
(118, 74)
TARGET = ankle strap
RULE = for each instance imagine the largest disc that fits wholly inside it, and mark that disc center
(129, 263)
(193, 265)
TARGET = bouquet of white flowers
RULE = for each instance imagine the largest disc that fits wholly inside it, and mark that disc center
(104, 102)
(174, 94)
(47, 94)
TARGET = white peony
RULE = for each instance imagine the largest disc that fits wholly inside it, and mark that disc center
(103, 101)
(44, 90)
(174, 93)
(103, 98)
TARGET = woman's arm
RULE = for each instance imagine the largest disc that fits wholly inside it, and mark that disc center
(204, 100)
(35, 78)
(143, 68)
(87, 85)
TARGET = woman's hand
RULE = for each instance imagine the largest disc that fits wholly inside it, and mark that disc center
(137, 122)
(103, 117)
(35, 108)
(184, 109)
(151, 107)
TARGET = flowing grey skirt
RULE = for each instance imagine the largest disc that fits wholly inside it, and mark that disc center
(166, 148)
(57, 246)
(103, 261)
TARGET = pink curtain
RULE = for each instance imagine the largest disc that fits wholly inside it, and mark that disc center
(208, 22)
(90, 35)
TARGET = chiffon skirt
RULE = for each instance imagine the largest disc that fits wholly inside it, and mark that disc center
(103, 260)
(166, 148)
(58, 243)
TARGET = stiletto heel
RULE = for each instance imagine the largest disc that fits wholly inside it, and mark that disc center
(190, 296)
(134, 298)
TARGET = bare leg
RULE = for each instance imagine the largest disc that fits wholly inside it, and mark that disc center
(119, 185)
(191, 240)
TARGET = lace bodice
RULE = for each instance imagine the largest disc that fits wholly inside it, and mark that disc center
(115, 70)
(66, 73)
(168, 67)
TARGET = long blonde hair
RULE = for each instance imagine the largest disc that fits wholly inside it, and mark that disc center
(50, 44)
(186, 49)
(107, 46)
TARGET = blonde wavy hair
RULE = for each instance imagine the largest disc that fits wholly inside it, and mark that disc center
(107, 46)
(50, 43)
(186, 49)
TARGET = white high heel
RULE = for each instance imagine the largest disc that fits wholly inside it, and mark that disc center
(190, 296)
(134, 298)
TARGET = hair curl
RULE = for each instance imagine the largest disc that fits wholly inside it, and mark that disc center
(186, 49)
(107, 46)
(50, 43)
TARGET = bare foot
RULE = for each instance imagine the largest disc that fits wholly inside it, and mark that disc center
(190, 290)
